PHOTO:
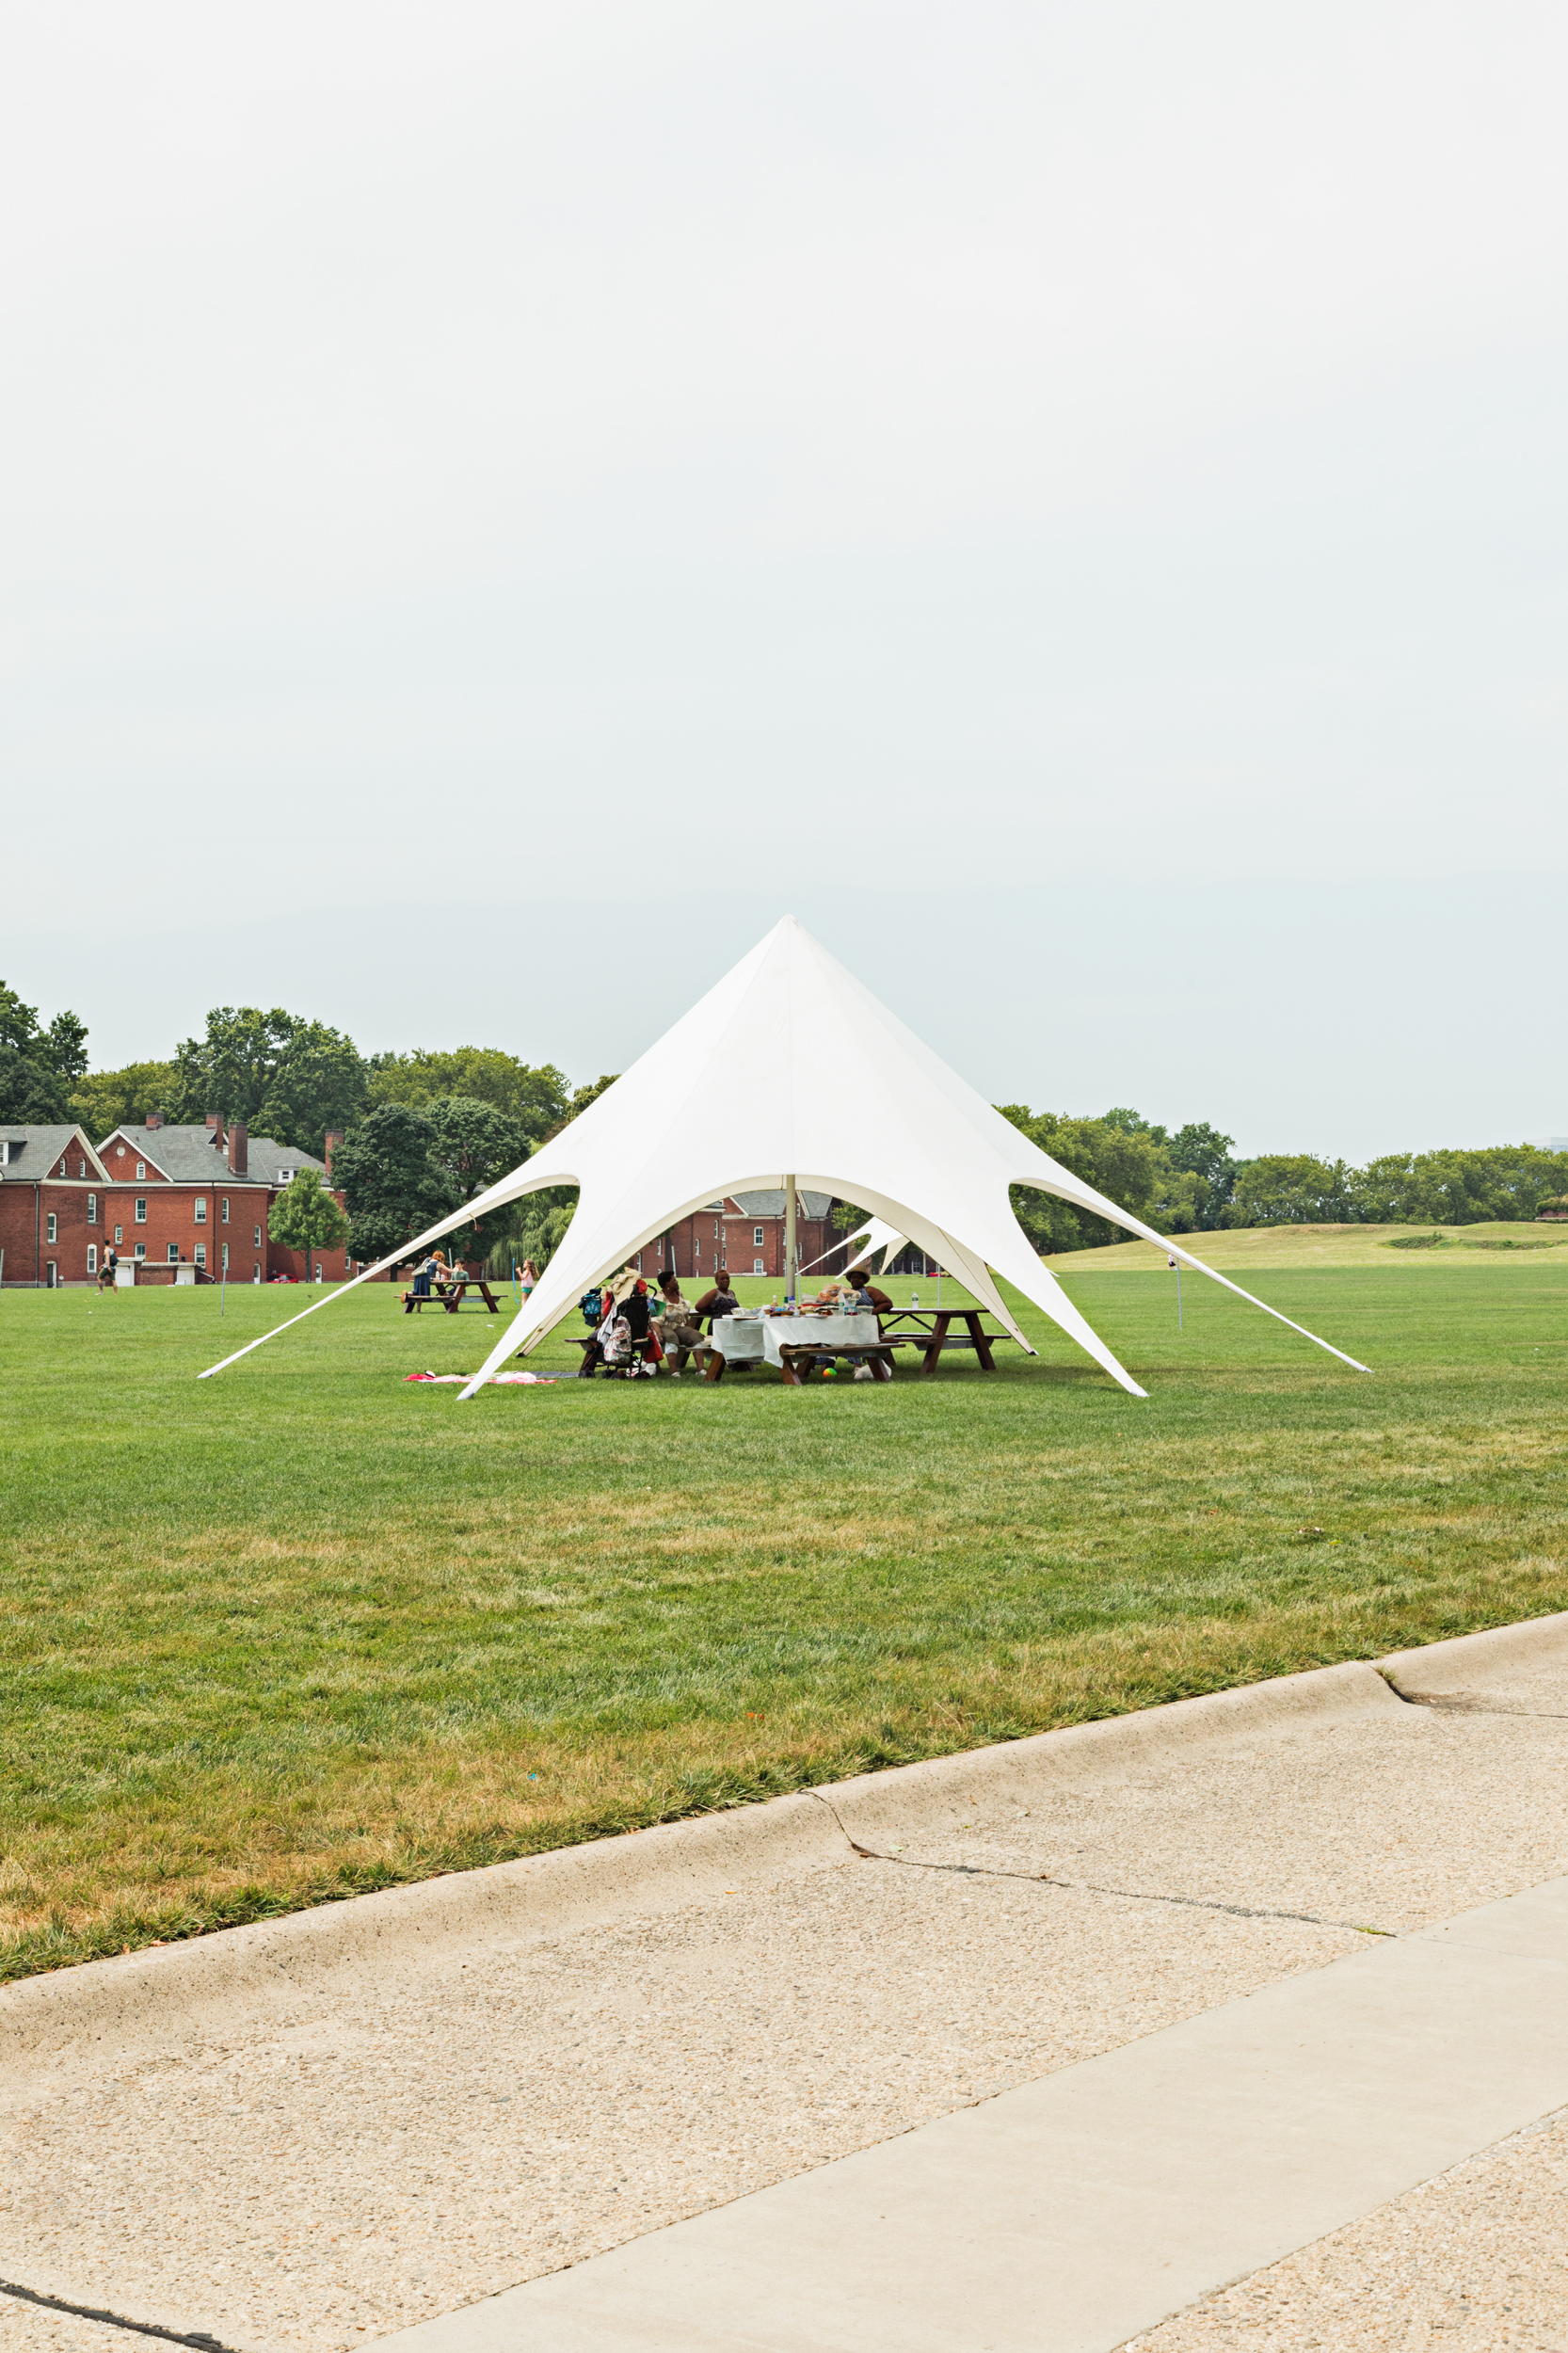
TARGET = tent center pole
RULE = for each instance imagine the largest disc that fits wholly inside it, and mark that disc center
(791, 1260)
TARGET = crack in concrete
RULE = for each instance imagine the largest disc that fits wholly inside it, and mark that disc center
(1460, 1703)
(1094, 1887)
(201, 2338)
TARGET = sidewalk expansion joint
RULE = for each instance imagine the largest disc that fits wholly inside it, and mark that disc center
(199, 2337)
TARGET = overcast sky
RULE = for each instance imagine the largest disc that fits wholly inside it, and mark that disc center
(498, 502)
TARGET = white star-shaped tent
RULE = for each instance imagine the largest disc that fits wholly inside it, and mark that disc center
(790, 1071)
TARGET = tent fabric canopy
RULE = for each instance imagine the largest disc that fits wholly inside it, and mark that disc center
(790, 1068)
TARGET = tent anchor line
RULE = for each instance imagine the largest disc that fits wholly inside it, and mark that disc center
(765, 1055)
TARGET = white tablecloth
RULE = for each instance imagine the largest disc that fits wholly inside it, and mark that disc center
(758, 1342)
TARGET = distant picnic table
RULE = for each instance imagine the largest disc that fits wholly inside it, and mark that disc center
(450, 1296)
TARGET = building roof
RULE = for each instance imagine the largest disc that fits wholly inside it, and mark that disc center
(190, 1156)
(771, 1204)
(36, 1151)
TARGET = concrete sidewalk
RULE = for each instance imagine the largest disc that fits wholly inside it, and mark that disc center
(349, 2123)
(1069, 2216)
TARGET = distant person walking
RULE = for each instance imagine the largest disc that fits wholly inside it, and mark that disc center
(111, 1259)
(528, 1278)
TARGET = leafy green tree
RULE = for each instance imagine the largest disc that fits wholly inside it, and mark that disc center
(305, 1216)
(1132, 1123)
(31, 1093)
(533, 1227)
(1205, 1154)
(65, 1044)
(393, 1189)
(37, 1065)
(107, 1099)
(1127, 1164)
(1292, 1189)
(284, 1076)
(536, 1098)
(472, 1145)
(1503, 1181)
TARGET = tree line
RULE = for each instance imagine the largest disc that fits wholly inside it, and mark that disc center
(1188, 1183)
(425, 1131)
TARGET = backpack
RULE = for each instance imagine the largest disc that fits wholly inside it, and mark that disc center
(592, 1307)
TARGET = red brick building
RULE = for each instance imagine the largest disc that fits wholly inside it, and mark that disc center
(744, 1234)
(165, 1198)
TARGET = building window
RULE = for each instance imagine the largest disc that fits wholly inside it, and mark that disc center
(93, 1258)
(757, 1238)
(92, 1208)
(141, 1171)
(225, 1257)
(257, 1276)
(141, 1209)
(226, 1208)
(258, 1237)
(173, 1254)
(201, 1209)
(119, 1233)
(758, 1268)
(50, 1233)
(141, 1250)
(200, 1254)
(51, 1280)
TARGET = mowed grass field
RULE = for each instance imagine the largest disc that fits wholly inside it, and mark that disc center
(306, 1629)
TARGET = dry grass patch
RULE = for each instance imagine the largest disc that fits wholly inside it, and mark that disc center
(270, 1644)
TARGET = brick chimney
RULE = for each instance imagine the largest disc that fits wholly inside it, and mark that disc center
(334, 1137)
(239, 1149)
(154, 1119)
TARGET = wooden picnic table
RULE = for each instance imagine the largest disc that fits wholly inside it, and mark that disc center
(792, 1353)
(450, 1296)
(933, 1322)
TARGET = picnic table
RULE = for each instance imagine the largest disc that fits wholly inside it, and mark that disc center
(789, 1342)
(934, 1322)
(450, 1296)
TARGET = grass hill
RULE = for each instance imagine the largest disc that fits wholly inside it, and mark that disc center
(1305, 1246)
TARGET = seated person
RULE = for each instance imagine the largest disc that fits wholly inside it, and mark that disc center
(860, 1282)
(679, 1327)
(720, 1301)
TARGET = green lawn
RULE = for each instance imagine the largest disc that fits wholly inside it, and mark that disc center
(304, 1629)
